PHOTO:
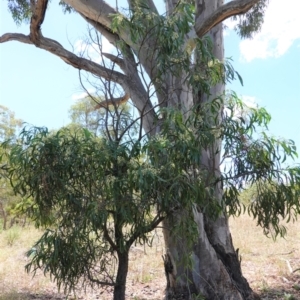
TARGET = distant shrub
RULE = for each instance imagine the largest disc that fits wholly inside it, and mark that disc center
(12, 235)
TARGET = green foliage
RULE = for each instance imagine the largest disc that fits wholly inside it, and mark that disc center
(251, 22)
(66, 8)
(97, 196)
(112, 122)
(173, 53)
(253, 158)
(9, 127)
(83, 185)
(12, 235)
(20, 10)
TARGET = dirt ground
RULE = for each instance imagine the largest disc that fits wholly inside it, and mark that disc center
(271, 268)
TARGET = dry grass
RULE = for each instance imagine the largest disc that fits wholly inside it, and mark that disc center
(269, 265)
(266, 264)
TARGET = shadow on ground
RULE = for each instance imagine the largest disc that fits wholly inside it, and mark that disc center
(288, 288)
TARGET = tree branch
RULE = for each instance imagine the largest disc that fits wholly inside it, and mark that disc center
(115, 59)
(127, 63)
(222, 13)
(112, 37)
(97, 10)
(113, 101)
(37, 19)
(99, 14)
(68, 57)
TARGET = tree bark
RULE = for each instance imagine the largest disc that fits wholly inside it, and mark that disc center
(120, 286)
(216, 270)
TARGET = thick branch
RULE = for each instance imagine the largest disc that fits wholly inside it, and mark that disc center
(136, 90)
(99, 14)
(222, 13)
(37, 20)
(67, 56)
(97, 10)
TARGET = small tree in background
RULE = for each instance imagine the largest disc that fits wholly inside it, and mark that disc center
(100, 118)
(9, 127)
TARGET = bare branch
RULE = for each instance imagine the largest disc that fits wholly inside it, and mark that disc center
(7, 37)
(68, 57)
(37, 19)
(115, 59)
(222, 13)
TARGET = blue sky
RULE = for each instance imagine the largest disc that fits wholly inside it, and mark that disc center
(40, 87)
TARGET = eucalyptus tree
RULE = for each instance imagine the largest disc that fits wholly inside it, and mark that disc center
(181, 52)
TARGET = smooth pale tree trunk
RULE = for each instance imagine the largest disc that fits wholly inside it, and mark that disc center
(216, 271)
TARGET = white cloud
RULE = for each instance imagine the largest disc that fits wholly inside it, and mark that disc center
(78, 96)
(279, 31)
(93, 50)
(250, 101)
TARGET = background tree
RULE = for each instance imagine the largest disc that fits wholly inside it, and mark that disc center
(102, 120)
(182, 53)
(9, 127)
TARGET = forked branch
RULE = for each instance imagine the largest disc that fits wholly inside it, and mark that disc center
(37, 19)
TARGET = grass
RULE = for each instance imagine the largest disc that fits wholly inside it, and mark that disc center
(14, 295)
(12, 235)
(266, 264)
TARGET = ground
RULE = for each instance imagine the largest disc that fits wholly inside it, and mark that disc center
(272, 268)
